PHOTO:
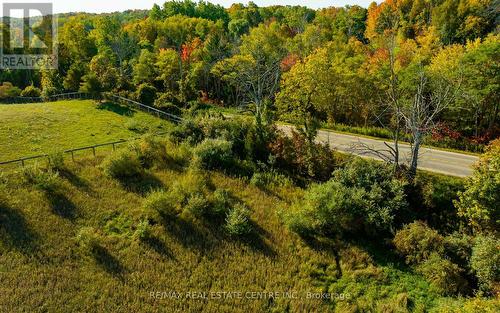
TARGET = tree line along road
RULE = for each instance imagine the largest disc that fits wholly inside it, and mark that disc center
(434, 160)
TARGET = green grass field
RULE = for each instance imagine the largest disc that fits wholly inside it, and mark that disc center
(32, 129)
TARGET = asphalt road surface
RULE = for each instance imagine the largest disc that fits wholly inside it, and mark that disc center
(434, 160)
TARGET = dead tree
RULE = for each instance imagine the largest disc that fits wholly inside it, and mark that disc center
(429, 100)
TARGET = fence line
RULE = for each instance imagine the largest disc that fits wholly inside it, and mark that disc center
(149, 109)
(56, 97)
(70, 151)
(94, 96)
(99, 96)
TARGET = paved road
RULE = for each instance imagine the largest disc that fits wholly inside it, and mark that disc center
(439, 161)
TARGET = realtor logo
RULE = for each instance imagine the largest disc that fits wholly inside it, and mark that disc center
(28, 36)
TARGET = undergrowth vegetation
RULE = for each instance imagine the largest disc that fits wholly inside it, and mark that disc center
(198, 211)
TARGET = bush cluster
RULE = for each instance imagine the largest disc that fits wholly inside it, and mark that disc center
(188, 131)
(160, 201)
(45, 180)
(444, 275)
(478, 204)
(191, 194)
(31, 91)
(56, 161)
(123, 165)
(238, 221)
(151, 152)
(299, 158)
(143, 231)
(485, 262)
(417, 241)
(268, 179)
(146, 94)
(214, 154)
(362, 196)
(88, 239)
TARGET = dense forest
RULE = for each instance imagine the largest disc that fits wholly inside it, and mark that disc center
(349, 65)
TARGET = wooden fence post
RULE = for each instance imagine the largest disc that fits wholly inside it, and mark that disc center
(93, 151)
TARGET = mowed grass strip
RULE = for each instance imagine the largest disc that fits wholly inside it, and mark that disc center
(31, 129)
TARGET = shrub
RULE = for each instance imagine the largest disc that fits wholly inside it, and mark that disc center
(213, 154)
(49, 91)
(478, 204)
(56, 161)
(300, 221)
(7, 90)
(160, 201)
(233, 130)
(187, 131)
(90, 83)
(221, 202)
(136, 125)
(416, 242)
(259, 180)
(269, 179)
(362, 195)
(166, 99)
(87, 239)
(296, 156)
(354, 258)
(123, 165)
(169, 108)
(143, 231)
(458, 247)
(257, 142)
(485, 262)
(238, 221)
(178, 154)
(444, 275)
(193, 183)
(327, 209)
(151, 152)
(46, 180)
(470, 305)
(146, 94)
(197, 205)
(31, 91)
(118, 225)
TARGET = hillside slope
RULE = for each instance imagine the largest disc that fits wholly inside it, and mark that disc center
(31, 129)
(43, 269)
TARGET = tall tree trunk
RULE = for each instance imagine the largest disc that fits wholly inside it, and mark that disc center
(415, 149)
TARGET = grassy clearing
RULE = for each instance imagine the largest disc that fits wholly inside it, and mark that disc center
(39, 250)
(31, 129)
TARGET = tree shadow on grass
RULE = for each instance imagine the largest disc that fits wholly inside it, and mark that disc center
(15, 231)
(62, 205)
(255, 240)
(116, 108)
(159, 247)
(108, 262)
(75, 180)
(328, 245)
(143, 184)
(188, 234)
(381, 253)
